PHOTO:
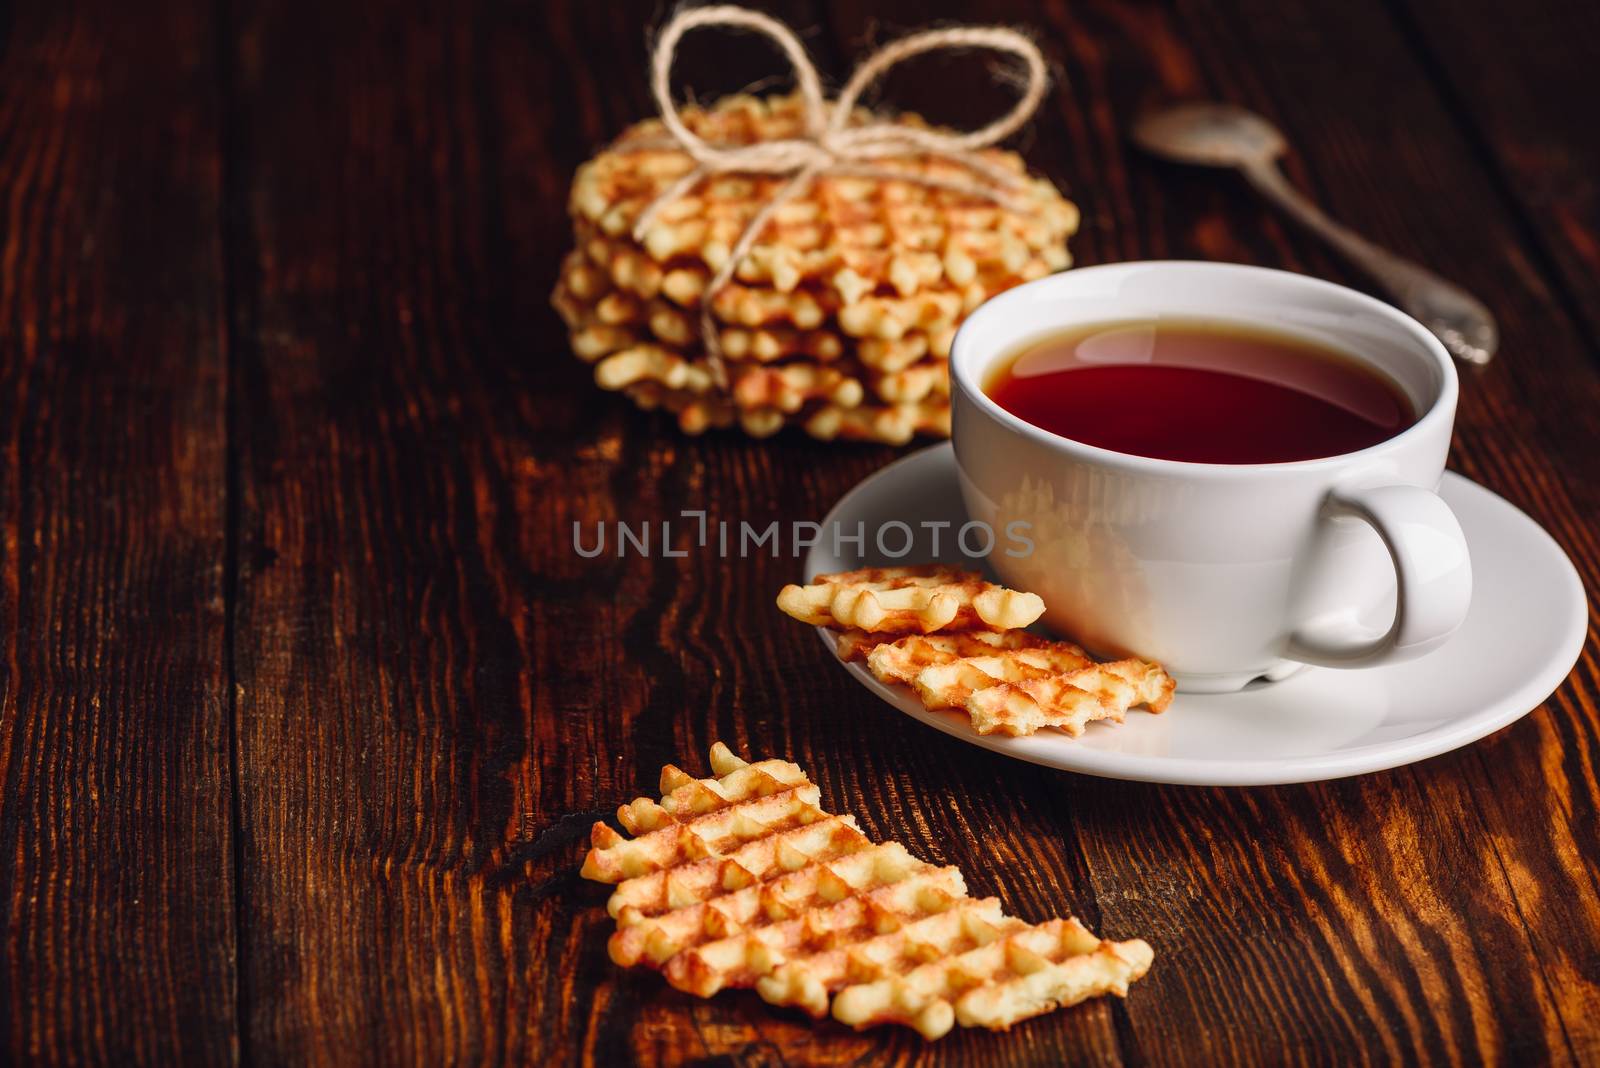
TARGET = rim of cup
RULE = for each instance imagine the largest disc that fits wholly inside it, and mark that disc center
(967, 368)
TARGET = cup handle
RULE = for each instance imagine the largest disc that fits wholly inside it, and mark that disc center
(1433, 579)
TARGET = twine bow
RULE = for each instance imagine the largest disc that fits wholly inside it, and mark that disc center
(831, 145)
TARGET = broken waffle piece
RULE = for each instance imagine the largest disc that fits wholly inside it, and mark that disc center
(1016, 683)
(1068, 701)
(957, 641)
(903, 659)
(743, 880)
(948, 685)
(936, 648)
(1012, 973)
(909, 600)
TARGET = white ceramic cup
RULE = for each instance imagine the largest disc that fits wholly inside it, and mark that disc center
(1224, 573)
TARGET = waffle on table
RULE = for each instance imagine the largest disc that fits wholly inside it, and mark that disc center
(957, 641)
(743, 880)
(840, 318)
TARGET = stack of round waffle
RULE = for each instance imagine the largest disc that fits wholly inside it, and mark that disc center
(840, 317)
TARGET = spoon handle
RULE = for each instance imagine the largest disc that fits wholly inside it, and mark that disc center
(1455, 316)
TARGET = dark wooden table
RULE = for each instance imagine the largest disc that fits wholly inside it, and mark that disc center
(306, 703)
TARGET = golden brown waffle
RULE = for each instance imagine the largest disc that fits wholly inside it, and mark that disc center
(842, 223)
(862, 278)
(949, 685)
(926, 380)
(901, 660)
(796, 373)
(859, 645)
(1068, 700)
(743, 880)
(957, 642)
(1015, 683)
(907, 600)
(890, 424)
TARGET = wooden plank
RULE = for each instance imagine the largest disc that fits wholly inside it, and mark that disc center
(422, 666)
(116, 890)
(377, 677)
(438, 695)
(1520, 81)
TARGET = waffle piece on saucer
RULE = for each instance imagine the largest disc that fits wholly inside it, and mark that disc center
(933, 648)
(1067, 701)
(901, 660)
(957, 642)
(743, 880)
(949, 685)
(1016, 683)
(905, 600)
(848, 299)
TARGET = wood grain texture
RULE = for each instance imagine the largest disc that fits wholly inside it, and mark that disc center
(436, 696)
(116, 890)
(1508, 76)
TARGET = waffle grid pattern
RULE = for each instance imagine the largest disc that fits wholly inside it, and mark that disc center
(865, 280)
(743, 880)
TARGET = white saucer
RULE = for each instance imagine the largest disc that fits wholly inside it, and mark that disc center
(1523, 634)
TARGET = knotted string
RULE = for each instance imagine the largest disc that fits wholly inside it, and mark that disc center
(831, 145)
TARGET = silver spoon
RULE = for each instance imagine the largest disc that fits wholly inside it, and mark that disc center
(1221, 135)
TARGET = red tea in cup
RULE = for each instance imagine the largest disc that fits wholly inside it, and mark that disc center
(1201, 392)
